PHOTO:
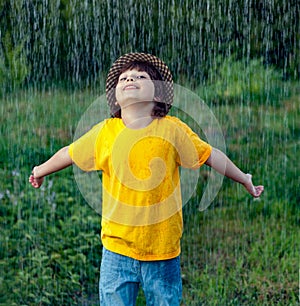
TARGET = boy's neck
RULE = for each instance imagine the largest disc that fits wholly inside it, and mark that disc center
(137, 116)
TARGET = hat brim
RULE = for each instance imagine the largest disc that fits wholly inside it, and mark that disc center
(117, 66)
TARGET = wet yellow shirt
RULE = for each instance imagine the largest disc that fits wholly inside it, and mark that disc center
(142, 206)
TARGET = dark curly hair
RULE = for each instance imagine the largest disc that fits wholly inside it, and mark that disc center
(160, 108)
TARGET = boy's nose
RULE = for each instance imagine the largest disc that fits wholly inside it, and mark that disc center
(130, 79)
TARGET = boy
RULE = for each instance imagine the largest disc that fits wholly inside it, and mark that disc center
(139, 152)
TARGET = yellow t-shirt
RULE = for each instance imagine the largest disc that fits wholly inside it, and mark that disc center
(142, 207)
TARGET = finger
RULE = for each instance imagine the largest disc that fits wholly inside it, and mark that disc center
(33, 182)
(259, 190)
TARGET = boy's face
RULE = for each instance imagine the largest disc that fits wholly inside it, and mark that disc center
(133, 87)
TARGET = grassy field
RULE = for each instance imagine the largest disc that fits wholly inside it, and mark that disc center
(239, 251)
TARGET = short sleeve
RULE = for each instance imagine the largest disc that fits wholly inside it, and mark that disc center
(193, 151)
(83, 150)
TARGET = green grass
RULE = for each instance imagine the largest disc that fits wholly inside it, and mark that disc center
(239, 251)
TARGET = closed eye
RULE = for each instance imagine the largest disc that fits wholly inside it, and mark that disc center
(134, 77)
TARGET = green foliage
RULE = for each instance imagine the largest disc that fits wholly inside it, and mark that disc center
(75, 41)
(242, 251)
(13, 65)
(249, 259)
(50, 247)
(235, 81)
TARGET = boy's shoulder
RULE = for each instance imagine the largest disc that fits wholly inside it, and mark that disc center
(106, 124)
(110, 122)
(111, 125)
(173, 119)
(176, 121)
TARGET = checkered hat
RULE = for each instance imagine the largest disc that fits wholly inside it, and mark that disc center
(117, 66)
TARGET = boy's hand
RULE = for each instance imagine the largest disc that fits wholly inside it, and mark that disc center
(35, 181)
(60, 160)
(255, 191)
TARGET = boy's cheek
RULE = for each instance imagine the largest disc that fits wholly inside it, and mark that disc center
(118, 94)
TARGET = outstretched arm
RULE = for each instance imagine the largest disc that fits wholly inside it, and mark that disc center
(58, 161)
(221, 163)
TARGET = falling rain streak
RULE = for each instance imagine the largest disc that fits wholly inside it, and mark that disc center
(77, 40)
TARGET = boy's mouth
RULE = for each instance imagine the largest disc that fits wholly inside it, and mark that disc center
(129, 87)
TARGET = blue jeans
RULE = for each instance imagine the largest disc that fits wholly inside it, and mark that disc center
(121, 276)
